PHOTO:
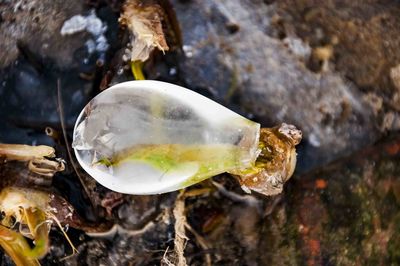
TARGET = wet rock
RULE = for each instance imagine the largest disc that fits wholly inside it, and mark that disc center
(37, 24)
(266, 78)
(26, 90)
(348, 212)
(365, 36)
(35, 55)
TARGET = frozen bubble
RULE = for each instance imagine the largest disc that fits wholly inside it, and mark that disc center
(149, 136)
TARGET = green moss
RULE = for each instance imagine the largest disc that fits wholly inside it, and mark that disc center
(394, 242)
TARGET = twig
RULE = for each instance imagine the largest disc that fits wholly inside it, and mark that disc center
(64, 132)
(165, 260)
(202, 242)
(118, 229)
(180, 236)
(247, 199)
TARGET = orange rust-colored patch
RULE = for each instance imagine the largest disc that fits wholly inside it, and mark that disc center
(392, 149)
(320, 183)
(314, 246)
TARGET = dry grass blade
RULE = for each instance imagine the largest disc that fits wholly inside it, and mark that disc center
(178, 258)
(180, 236)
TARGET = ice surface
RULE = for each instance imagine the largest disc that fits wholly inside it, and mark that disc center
(155, 135)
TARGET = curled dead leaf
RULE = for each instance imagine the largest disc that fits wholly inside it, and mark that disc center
(38, 158)
(31, 209)
(22, 152)
(276, 162)
(144, 20)
(45, 167)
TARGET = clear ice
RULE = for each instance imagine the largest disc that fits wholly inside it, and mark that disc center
(140, 139)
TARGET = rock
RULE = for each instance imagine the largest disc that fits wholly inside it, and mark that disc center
(395, 76)
(37, 25)
(267, 79)
(355, 198)
(364, 38)
(34, 55)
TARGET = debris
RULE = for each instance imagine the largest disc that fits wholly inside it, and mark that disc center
(202, 242)
(36, 156)
(180, 239)
(25, 152)
(323, 54)
(30, 209)
(111, 200)
(144, 20)
(276, 162)
(374, 101)
(73, 25)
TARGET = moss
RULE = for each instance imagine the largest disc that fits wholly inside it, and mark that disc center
(394, 243)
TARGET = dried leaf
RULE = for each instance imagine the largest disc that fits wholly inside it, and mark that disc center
(32, 210)
(15, 246)
(276, 162)
(45, 167)
(25, 152)
(37, 156)
(144, 21)
(28, 209)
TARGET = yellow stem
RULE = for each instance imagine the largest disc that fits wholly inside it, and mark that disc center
(136, 67)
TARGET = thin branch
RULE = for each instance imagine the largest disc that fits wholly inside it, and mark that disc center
(247, 199)
(202, 242)
(64, 132)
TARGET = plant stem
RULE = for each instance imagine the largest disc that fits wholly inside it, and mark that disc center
(136, 67)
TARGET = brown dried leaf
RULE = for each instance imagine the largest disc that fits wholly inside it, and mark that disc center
(25, 152)
(34, 210)
(144, 21)
(36, 156)
(276, 162)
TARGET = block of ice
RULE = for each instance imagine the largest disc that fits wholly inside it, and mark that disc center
(146, 137)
